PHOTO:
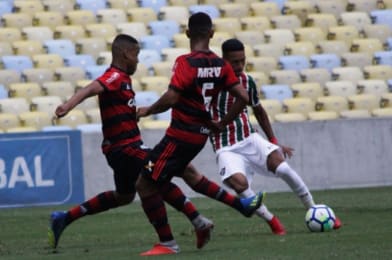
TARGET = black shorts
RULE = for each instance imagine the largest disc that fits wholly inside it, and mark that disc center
(169, 158)
(127, 163)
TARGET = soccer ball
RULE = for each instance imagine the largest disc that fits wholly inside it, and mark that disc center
(320, 218)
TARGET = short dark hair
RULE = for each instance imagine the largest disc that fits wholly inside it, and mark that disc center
(122, 42)
(232, 45)
(199, 24)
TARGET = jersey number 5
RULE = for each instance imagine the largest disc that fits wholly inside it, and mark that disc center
(207, 95)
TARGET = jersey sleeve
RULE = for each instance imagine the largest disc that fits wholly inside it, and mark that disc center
(181, 75)
(253, 93)
(109, 79)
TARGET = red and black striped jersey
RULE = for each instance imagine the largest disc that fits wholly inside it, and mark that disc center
(199, 76)
(118, 110)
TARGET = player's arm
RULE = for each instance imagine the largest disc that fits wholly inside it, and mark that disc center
(165, 102)
(91, 89)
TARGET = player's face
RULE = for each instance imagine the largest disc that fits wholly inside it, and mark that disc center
(132, 59)
(236, 60)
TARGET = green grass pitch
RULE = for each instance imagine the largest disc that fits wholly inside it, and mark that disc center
(124, 232)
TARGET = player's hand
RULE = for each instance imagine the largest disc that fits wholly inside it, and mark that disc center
(61, 111)
(142, 112)
(215, 126)
(287, 151)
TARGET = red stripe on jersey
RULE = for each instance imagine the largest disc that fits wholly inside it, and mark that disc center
(162, 160)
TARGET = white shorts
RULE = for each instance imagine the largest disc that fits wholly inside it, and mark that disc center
(247, 157)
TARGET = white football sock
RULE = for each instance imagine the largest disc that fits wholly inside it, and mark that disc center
(262, 211)
(296, 183)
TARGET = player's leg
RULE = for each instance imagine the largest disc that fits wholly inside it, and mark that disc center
(202, 185)
(173, 195)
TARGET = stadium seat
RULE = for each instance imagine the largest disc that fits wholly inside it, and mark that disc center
(163, 68)
(26, 90)
(49, 19)
(322, 115)
(14, 105)
(301, 105)
(383, 57)
(289, 117)
(177, 13)
(268, 49)
(377, 31)
(35, 119)
(345, 33)
(141, 14)
(10, 34)
(293, 62)
(70, 73)
(331, 103)
(382, 112)
(333, 46)
(16, 62)
(28, 7)
(284, 77)
(80, 17)
(267, 9)
(46, 104)
(8, 120)
(69, 32)
(122, 4)
(383, 72)
(311, 90)
(164, 27)
(79, 60)
(90, 46)
(146, 98)
(5, 7)
(272, 106)
(91, 5)
(183, 2)
(62, 89)
(17, 20)
(88, 103)
(149, 56)
(343, 88)
(310, 34)
(358, 59)
(279, 36)
(6, 49)
(259, 77)
(355, 114)
(237, 9)
(180, 40)
(101, 30)
(361, 5)
(74, 118)
(9, 76)
(331, 7)
(321, 20)
(3, 92)
(155, 42)
(353, 74)
(376, 87)
(249, 37)
(37, 33)
(171, 54)
(154, 124)
(153, 4)
(369, 45)
(382, 16)
(298, 8)
(62, 47)
(157, 84)
(94, 71)
(326, 61)
(136, 29)
(143, 70)
(289, 21)
(386, 100)
(104, 58)
(256, 23)
(38, 75)
(59, 6)
(93, 115)
(218, 39)
(211, 10)
(261, 63)
(28, 47)
(49, 60)
(363, 101)
(303, 48)
(356, 19)
(227, 24)
(111, 16)
(276, 91)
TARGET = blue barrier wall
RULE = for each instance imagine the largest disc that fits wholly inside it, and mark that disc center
(41, 169)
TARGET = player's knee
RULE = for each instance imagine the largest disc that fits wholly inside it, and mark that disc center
(123, 199)
(274, 160)
(237, 182)
(191, 176)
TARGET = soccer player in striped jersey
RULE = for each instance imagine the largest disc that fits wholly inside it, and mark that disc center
(122, 145)
(196, 80)
(242, 152)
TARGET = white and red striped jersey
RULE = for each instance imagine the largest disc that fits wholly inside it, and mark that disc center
(240, 127)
